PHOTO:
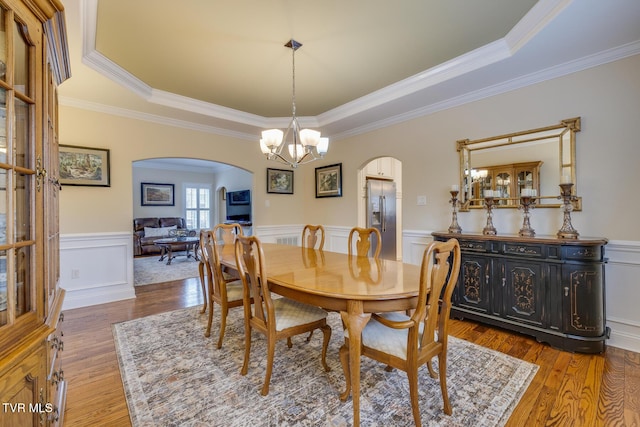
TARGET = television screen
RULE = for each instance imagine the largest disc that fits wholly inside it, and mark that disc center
(239, 206)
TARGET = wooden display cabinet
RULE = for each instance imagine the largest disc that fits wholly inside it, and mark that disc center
(33, 61)
(509, 180)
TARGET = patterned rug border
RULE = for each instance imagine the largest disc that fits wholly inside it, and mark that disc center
(156, 394)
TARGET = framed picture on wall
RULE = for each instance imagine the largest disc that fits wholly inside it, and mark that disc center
(84, 166)
(156, 194)
(329, 181)
(279, 181)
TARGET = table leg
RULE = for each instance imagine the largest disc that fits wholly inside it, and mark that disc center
(170, 256)
(163, 251)
(355, 320)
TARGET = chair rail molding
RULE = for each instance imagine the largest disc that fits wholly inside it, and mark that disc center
(96, 268)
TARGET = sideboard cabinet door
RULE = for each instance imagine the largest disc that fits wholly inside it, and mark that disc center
(474, 283)
(583, 299)
(523, 291)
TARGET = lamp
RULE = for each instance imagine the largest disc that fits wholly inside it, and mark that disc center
(304, 145)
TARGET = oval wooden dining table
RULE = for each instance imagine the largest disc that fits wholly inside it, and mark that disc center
(354, 286)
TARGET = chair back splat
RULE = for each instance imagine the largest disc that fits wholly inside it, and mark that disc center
(366, 236)
(310, 236)
(276, 318)
(423, 335)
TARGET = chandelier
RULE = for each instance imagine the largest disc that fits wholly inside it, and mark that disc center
(303, 145)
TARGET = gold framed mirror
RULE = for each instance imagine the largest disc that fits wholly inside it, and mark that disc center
(532, 162)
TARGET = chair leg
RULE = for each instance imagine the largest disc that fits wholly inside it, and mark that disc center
(204, 289)
(431, 371)
(326, 331)
(344, 360)
(289, 342)
(247, 348)
(412, 375)
(223, 324)
(442, 368)
(271, 349)
(309, 337)
(210, 320)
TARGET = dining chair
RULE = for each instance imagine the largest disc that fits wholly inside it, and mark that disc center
(224, 289)
(203, 267)
(408, 342)
(310, 236)
(276, 318)
(363, 244)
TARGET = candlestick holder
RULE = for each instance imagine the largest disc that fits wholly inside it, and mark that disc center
(489, 229)
(454, 227)
(526, 203)
(567, 231)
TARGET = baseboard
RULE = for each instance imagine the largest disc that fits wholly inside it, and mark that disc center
(101, 295)
(624, 335)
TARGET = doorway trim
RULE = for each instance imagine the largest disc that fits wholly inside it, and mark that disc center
(362, 197)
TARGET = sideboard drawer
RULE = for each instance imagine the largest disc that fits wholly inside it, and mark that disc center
(586, 253)
(473, 245)
(523, 249)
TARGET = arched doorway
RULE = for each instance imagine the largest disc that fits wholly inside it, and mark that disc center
(183, 172)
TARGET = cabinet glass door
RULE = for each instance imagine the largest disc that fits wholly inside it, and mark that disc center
(17, 169)
(503, 187)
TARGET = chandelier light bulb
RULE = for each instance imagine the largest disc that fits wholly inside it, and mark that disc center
(272, 138)
(323, 146)
(296, 151)
(309, 137)
(264, 148)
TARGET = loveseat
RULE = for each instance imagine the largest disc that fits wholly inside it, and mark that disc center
(146, 230)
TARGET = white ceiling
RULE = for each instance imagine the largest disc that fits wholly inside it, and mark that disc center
(221, 67)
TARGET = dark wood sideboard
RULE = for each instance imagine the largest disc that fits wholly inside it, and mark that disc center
(552, 289)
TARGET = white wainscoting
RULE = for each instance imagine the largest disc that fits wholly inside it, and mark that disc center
(335, 238)
(96, 268)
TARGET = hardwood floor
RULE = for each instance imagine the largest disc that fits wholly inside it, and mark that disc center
(568, 390)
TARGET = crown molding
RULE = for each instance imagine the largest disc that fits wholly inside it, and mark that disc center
(152, 118)
(533, 22)
(560, 70)
(481, 57)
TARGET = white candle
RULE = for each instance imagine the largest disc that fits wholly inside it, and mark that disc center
(566, 179)
(455, 188)
(526, 192)
(534, 192)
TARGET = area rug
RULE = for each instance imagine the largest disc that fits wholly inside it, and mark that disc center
(148, 270)
(174, 376)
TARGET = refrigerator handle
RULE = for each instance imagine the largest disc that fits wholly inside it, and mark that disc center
(383, 213)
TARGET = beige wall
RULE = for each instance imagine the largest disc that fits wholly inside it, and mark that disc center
(606, 97)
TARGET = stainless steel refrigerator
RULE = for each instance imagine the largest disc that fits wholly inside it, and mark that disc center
(381, 214)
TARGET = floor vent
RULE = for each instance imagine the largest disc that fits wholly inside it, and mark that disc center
(288, 240)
